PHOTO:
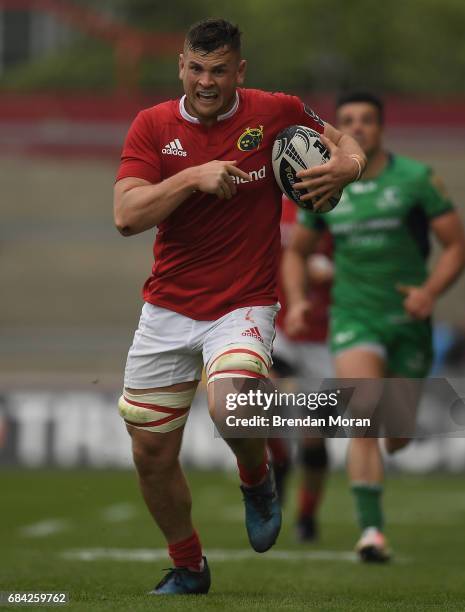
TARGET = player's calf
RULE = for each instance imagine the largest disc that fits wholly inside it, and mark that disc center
(239, 371)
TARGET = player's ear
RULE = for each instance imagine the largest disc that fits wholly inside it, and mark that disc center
(181, 65)
(241, 71)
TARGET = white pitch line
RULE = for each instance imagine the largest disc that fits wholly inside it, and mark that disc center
(45, 528)
(159, 554)
(148, 555)
(118, 513)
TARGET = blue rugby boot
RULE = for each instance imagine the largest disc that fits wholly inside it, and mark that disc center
(183, 581)
(262, 513)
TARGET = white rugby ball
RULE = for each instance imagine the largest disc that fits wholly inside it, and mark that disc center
(299, 148)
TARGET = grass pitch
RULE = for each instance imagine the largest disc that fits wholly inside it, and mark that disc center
(88, 533)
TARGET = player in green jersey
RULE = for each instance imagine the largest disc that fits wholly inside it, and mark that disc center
(383, 295)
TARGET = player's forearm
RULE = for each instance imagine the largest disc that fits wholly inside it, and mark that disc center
(294, 276)
(352, 149)
(145, 206)
(446, 270)
(349, 147)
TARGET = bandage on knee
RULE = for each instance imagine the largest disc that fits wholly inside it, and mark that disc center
(238, 361)
(158, 411)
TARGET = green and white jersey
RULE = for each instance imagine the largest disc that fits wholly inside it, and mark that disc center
(380, 232)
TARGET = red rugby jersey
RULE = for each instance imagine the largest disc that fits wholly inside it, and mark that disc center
(320, 296)
(211, 255)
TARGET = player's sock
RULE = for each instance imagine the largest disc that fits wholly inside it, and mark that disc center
(368, 505)
(251, 477)
(187, 553)
(308, 501)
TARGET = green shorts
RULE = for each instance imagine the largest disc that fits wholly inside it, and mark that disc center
(405, 345)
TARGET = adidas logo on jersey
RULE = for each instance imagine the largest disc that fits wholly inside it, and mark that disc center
(174, 148)
(253, 332)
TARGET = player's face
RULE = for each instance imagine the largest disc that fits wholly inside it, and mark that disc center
(361, 121)
(210, 81)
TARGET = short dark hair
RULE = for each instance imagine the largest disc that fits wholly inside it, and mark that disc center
(211, 34)
(362, 96)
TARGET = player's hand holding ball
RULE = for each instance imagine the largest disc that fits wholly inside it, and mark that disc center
(296, 322)
(327, 180)
(311, 169)
(215, 178)
(419, 301)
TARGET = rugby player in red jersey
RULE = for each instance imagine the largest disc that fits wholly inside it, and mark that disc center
(199, 169)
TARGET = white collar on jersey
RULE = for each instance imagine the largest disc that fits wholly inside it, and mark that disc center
(185, 115)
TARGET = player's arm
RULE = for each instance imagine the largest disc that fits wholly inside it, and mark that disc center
(295, 277)
(139, 205)
(448, 229)
(346, 165)
(320, 270)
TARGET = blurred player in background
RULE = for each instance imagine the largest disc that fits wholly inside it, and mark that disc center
(304, 354)
(199, 169)
(383, 296)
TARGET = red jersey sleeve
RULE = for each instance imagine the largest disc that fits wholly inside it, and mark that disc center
(140, 157)
(300, 113)
(307, 116)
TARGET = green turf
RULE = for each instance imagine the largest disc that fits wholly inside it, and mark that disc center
(425, 526)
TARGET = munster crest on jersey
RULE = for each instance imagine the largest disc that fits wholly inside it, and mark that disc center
(250, 139)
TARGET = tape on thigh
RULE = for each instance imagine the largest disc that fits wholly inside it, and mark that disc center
(158, 411)
(238, 361)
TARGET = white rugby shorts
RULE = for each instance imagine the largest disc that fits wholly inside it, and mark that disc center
(309, 359)
(170, 348)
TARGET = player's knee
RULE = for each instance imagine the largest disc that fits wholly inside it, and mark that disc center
(314, 456)
(158, 412)
(238, 361)
(151, 460)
